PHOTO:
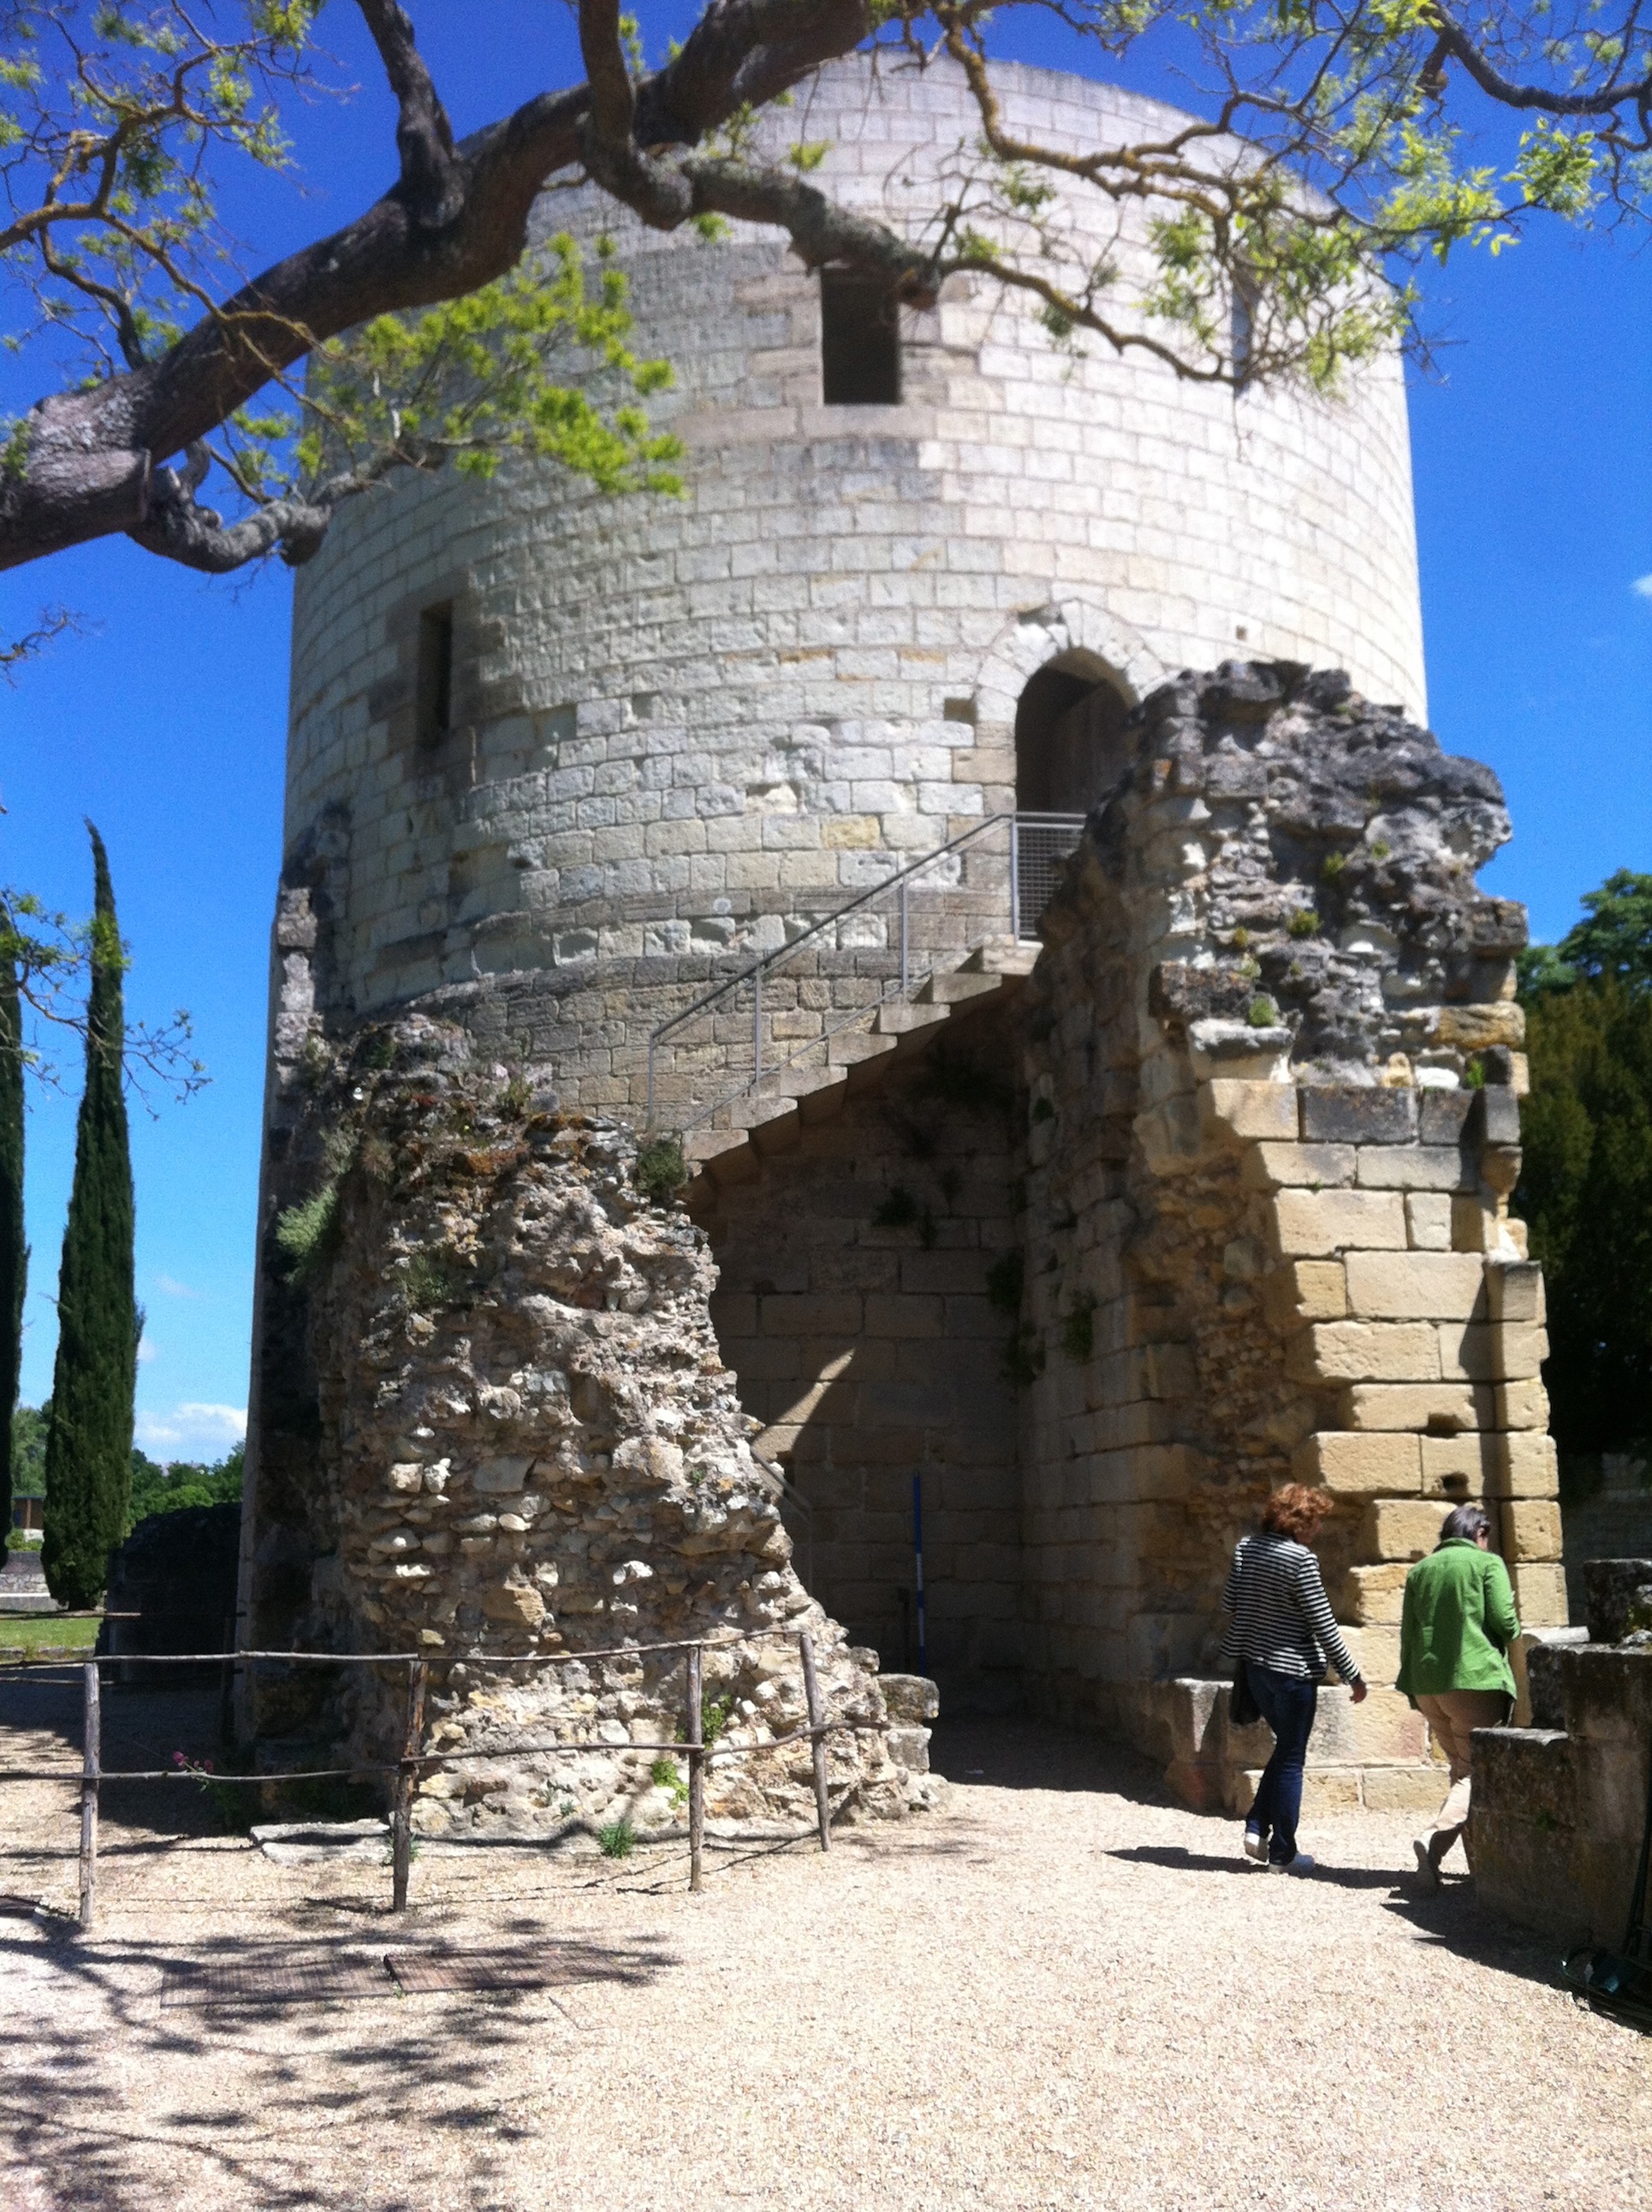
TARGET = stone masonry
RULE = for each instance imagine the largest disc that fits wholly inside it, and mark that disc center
(1097, 1238)
(1215, 1199)
(680, 728)
(506, 1431)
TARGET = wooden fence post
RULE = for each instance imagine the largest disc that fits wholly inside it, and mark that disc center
(816, 1737)
(92, 1737)
(401, 1832)
(693, 1728)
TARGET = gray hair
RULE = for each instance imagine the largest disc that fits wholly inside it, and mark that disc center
(1465, 1521)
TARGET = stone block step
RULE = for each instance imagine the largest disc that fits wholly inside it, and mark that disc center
(1003, 955)
(900, 1016)
(852, 1045)
(952, 990)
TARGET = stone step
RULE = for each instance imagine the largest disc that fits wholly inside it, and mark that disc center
(952, 990)
(849, 1046)
(1003, 955)
(900, 1015)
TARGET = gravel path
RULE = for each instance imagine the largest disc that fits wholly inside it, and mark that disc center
(1061, 1992)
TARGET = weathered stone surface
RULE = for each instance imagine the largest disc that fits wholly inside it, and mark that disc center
(500, 1307)
(1617, 1594)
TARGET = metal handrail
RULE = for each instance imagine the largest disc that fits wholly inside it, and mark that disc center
(900, 882)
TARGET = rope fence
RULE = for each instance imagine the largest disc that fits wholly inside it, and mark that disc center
(415, 1761)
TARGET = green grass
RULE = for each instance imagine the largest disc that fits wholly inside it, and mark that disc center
(20, 1635)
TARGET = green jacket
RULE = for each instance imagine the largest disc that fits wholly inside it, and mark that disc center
(1457, 1623)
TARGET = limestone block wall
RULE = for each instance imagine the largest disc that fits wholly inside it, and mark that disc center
(1560, 1808)
(865, 1262)
(1271, 1062)
(679, 726)
(1245, 1221)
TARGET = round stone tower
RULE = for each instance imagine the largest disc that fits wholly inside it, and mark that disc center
(555, 758)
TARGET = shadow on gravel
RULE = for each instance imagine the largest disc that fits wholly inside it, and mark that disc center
(1179, 1859)
(1451, 1918)
(254, 2042)
(1018, 1753)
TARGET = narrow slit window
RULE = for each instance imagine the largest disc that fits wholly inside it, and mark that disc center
(1242, 331)
(436, 683)
(860, 341)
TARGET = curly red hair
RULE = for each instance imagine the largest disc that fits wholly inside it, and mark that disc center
(1296, 1510)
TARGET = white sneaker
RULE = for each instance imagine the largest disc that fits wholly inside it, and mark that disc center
(1303, 1863)
(1255, 1844)
(1428, 1872)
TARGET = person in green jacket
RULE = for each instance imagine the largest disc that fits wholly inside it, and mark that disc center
(1457, 1624)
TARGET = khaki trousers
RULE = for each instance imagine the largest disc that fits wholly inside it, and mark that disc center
(1453, 1716)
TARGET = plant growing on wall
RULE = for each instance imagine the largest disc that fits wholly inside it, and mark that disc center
(89, 1441)
(425, 333)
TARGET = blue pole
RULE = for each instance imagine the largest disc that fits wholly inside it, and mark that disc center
(918, 1561)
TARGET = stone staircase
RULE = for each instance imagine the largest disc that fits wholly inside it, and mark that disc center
(897, 1030)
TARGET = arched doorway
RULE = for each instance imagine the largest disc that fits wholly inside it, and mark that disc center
(1067, 726)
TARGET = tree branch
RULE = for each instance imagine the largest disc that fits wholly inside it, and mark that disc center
(89, 455)
(1454, 43)
(424, 137)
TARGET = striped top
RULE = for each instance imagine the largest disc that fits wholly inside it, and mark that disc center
(1281, 1617)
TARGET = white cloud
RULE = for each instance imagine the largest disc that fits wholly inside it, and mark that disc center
(146, 1351)
(191, 1431)
(1642, 585)
(170, 1288)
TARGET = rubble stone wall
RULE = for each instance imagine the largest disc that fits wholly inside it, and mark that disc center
(515, 1438)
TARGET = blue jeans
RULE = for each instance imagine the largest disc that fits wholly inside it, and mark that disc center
(1289, 1703)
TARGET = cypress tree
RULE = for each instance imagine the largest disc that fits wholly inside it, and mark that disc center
(88, 1448)
(14, 1251)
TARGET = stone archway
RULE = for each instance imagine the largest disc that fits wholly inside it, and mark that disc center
(1068, 724)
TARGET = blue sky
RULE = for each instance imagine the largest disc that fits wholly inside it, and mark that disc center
(166, 722)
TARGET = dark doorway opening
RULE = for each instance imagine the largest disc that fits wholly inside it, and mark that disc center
(1068, 729)
(860, 341)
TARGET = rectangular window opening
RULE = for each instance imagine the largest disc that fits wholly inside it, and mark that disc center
(434, 708)
(860, 341)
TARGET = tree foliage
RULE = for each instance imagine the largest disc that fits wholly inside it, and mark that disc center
(1586, 1180)
(89, 1441)
(156, 1489)
(1331, 146)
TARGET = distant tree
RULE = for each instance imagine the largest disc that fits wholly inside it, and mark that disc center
(1586, 1182)
(184, 1482)
(29, 1424)
(1614, 939)
(89, 1443)
(13, 1246)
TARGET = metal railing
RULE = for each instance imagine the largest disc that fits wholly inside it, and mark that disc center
(418, 1761)
(802, 999)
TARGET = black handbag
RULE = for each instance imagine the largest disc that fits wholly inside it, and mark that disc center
(1243, 1708)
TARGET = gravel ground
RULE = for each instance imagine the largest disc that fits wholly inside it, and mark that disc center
(1062, 1991)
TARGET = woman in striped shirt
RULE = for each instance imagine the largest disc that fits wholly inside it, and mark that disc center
(1283, 1632)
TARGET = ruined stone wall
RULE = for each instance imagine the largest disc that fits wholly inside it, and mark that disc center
(511, 1433)
(1215, 1198)
(868, 1249)
(1272, 1062)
